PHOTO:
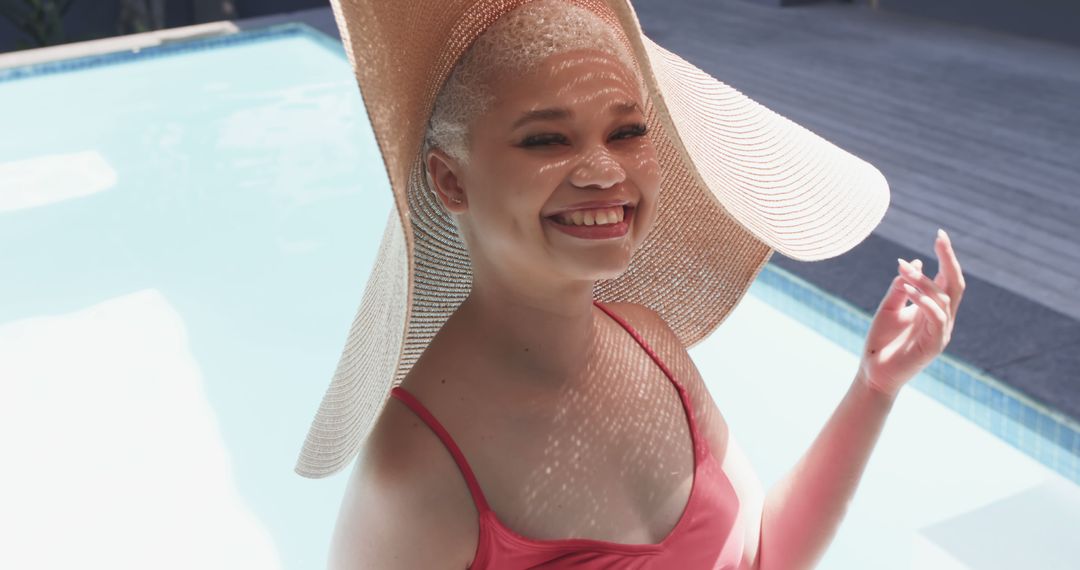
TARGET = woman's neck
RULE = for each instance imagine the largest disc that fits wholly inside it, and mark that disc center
(545, 333)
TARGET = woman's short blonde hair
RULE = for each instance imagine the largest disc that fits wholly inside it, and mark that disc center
(518, 41)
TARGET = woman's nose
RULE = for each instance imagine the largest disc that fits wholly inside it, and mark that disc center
(597, 168)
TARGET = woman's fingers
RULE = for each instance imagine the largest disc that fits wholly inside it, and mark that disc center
(941, 318)
(950, 266)
(921, 282)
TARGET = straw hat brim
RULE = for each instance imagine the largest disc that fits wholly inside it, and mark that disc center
(738, 181)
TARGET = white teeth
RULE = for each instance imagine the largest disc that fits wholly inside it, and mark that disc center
(600, 216)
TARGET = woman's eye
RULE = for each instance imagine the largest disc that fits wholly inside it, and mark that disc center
(541, 140)
(636, 130)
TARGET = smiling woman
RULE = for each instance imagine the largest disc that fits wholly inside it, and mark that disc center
(538, 150)
(516, 386)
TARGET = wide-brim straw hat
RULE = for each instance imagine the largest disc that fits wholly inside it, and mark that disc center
(738, 181)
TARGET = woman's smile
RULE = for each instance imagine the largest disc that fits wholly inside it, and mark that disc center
(596, 223)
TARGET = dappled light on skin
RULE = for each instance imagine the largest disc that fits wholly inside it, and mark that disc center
(516, 175)
(604, 455)
(615, 462)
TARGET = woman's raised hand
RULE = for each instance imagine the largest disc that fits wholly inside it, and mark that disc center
(904, 339)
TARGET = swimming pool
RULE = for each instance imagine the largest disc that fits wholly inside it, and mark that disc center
(185, 233)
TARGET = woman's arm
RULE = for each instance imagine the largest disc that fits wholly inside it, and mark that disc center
(405, 505)
(803, 510)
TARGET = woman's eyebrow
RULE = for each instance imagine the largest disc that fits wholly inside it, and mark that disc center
(618, 109)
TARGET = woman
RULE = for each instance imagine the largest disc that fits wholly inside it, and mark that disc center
(542, 428)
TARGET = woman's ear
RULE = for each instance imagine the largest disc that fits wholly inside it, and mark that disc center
(442, 172)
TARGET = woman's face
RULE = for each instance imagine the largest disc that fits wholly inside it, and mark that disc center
(567, 134)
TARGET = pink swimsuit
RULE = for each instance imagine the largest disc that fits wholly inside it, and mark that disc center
(707, 536)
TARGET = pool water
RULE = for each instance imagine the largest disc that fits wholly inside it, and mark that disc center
(185, 234)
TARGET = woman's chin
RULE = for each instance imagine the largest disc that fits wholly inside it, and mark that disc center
(598, 267)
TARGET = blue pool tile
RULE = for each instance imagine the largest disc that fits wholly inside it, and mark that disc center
(1028, 417)
(1046, 454)
(997, 424)
(997, 400)
(1012, 408)
(982, 393)
(963, 382)
(1074, 438)
(1047, 427)
(1009, 434)
(1012, 434)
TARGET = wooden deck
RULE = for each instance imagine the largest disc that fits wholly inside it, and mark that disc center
(977, 132)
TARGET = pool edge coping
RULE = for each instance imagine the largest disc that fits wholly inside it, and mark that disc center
(105, 46)
(115, 53)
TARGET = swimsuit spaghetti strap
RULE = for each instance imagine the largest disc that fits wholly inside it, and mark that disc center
(642, 342)
(474, 487)
(684, 396)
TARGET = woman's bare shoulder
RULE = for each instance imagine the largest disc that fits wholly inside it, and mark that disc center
(404, 491)
(667, 345)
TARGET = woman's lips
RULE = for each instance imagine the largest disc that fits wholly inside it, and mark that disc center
(605, 231)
